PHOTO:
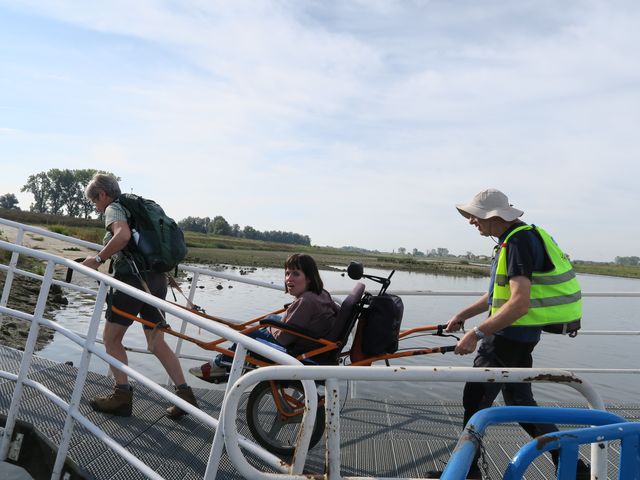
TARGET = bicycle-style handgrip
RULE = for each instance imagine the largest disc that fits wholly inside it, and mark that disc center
(70, 270)
(448, 348)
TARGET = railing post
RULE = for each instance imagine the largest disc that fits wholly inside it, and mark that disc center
(83, 368)
(332, 420)
(8, 281)
(218, 439)
(26, 360)
(192, 293)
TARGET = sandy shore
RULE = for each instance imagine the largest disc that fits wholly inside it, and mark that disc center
(48, 244)
(24, 291)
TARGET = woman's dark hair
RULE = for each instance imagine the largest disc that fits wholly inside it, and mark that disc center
(305, 263)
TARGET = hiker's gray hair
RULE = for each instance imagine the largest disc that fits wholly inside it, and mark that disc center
(101, 181)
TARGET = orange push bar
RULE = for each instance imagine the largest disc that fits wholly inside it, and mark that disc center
(327, 345)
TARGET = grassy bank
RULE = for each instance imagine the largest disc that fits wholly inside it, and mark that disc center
(212, 249)
(610, 269)
(216, 249)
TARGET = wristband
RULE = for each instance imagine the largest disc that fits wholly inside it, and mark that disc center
(479, 333)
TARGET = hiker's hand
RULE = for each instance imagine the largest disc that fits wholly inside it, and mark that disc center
(468, 344)
(91, 262)
(454, 325)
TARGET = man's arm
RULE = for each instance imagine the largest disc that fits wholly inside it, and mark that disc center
(476, 308)
(121, 235)
(512, 310)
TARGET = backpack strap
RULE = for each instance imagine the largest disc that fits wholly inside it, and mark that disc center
(173, 284)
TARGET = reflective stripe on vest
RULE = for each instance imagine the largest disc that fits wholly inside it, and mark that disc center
(555, 296)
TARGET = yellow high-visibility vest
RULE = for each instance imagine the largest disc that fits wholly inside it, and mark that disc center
(555, 297)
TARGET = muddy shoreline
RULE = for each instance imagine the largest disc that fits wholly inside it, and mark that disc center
(24, 290)
(23, 297)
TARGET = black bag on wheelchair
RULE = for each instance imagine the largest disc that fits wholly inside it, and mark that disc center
(382, 318)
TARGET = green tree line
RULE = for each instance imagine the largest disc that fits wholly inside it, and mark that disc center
(628, 261)
(61, 192)
(220, 226)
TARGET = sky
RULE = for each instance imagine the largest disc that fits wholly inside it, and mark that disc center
(356, 122)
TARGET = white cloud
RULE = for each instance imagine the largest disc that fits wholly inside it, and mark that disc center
(357, 123)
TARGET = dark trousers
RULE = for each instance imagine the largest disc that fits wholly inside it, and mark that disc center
(496, 351)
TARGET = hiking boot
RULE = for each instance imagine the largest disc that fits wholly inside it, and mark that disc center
(212, 373)
(119, 402)
(185, 394)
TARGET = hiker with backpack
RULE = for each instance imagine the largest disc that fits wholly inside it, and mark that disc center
(140, 258)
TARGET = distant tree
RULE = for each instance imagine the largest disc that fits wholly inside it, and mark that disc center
(195, 224)
(9, 201)
(285, 237)
(39, 186)
(249, 232)
(84, 205)
(62, 191)
(402, 250)
(417, 253)
(443, 252)
(219, 226)
(628, 261)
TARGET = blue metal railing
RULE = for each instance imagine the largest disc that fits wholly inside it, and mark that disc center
(568, 443)
(607, 426)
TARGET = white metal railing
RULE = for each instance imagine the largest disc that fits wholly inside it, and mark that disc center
(331, 376)
(88, 344)
(308, 374)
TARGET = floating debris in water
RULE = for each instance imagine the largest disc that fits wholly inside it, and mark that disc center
(219, 287)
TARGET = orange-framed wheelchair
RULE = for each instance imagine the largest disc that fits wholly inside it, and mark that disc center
(274, 408)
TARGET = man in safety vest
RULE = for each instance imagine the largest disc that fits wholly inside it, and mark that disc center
(532, 286)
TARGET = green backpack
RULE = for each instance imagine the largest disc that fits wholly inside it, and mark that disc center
(157, 243)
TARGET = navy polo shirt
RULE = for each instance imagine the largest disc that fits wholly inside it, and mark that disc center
(525, 254)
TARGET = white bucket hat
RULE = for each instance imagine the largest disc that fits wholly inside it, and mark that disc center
(489, 203)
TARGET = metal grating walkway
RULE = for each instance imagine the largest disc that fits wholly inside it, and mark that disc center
(378, 438)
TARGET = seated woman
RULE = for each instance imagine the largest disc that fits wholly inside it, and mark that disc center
(313, 309)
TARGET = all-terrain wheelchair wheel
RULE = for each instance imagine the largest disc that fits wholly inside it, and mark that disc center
(274, 415)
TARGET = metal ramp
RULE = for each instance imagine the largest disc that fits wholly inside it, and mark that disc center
(379, 438)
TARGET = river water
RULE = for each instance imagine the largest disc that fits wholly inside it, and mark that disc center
(242, 302)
